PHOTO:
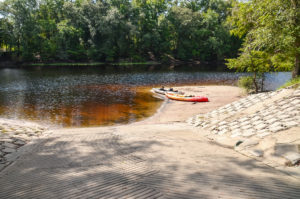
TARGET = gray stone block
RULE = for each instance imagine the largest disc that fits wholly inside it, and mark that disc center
(205, 125)
(257, 123)
(2, 166)
(256, 153)
(248, 133)
(269, 117)
(293, 113)
(282, 116)
(262, 135)
(294, 157)
(245, 123)
(296, 101)
(291, 124)
(260, 126)
(282, 103)
(275, 124)
(19, 131)
(284, 149)
(222, 123)
(233, 123)
(248, 143)
(9, 145)
(235, 127)
(277, 128)
(236, 131)
(6, 140)
(213, 127)
(9, 150)
(244, 119)
(247, 127)
(197, 124)
(20, 142)
(255, 118)
(272, 120)
(235, 135)
(11, 157)
(222, 132)
(286, 120)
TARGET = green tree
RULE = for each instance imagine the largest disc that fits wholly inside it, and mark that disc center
(148, 37)
(112, 30)
(256, 62)
(6, 34)
(272, 27)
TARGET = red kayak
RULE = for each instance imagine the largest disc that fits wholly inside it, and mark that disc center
(186, 98)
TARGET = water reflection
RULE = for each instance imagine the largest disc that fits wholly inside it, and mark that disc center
(92, 96)
(80, 105)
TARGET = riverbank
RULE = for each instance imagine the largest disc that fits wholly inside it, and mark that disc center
(92, 63)
(177, 111)
(216, 66)
(162, 158)
(15, 134)
(11, 64)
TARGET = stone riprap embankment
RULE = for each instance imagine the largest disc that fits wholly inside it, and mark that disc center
(14, 135)
(258, 123)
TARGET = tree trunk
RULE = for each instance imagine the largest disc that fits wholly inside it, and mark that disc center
(18, 48)
(255, 83)
(262, 82)
(296, 70)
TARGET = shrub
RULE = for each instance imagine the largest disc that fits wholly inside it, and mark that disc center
(246, 83)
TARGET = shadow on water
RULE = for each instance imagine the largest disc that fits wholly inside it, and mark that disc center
(98, 95)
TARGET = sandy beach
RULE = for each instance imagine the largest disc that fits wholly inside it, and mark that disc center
(177, 111)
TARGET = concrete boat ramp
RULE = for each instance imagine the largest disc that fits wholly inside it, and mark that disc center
(139, 161)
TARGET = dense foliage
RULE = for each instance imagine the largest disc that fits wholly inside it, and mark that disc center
(271, 33)
(114, 30)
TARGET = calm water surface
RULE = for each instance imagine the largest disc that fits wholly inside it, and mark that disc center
(94, 96)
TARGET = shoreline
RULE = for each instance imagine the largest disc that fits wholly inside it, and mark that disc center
(178, 111)
(170, 108)
(171, 63)
(16, 134)
(164, 152)
(170, 112)
(167, 105)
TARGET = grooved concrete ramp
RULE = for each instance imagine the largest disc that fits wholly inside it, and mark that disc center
(139, 161)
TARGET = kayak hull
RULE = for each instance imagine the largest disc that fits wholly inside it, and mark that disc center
(164, 91)
(159, 91)
(186, 98)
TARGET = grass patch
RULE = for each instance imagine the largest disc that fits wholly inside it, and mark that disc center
(291, 82)
(246, 83)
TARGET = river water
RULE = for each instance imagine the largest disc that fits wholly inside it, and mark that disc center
(100, 95)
